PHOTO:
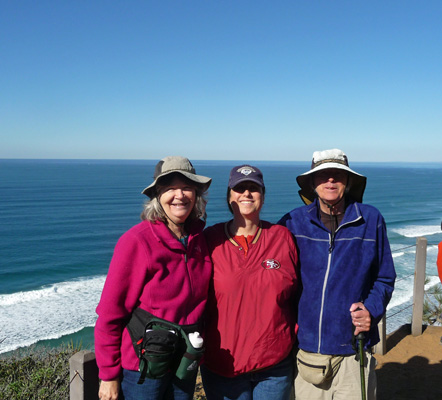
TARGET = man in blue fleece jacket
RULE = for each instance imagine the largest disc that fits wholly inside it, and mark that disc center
(347, 277)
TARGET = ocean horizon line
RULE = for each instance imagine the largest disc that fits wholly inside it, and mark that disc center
(224, 161)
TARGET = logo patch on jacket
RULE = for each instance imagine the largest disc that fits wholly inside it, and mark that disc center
(271, 264)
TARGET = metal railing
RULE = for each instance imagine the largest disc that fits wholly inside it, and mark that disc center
(418, 296)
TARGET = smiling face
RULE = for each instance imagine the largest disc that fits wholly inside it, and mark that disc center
(330, 186)
(177, 199)
(246, 199)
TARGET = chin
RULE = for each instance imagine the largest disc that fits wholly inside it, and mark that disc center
(179, 219)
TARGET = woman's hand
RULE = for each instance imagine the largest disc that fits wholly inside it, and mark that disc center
(360, 317)
(109, 390)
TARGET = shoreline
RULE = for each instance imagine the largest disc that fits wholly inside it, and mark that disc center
(84, 337)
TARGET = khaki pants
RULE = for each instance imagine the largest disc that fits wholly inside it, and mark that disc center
(346, 385)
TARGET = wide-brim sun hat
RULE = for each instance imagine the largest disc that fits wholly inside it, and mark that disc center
(328, 159)
(176, 164)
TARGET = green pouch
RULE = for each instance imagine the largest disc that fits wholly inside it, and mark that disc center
(162, 346)
(190, 360)
(159, 351)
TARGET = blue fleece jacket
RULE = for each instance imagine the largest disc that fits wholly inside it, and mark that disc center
(356, 266)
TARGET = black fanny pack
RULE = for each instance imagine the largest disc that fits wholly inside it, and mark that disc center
(163, 346)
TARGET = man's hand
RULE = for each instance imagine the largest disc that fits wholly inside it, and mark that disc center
(360, 317)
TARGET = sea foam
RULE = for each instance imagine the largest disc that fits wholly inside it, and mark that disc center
(413, 231)
(49, 312)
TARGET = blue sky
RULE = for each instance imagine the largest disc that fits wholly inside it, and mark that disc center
(229, 80)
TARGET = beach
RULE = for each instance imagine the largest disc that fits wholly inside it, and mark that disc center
(411, 369)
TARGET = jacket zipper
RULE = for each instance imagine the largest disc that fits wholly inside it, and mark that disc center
(324, 286)
(186, 249)
(330, 251)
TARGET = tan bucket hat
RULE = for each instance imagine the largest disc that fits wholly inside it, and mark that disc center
(176, 164)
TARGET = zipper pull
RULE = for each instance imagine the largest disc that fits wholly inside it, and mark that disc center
(332, 239)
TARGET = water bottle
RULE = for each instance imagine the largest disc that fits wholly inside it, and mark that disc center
(196, 340)
(194, 351)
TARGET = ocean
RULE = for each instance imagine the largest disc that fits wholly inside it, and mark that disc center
(60, 220)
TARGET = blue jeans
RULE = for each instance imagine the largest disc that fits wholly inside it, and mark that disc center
(274, 383)
(167, 388)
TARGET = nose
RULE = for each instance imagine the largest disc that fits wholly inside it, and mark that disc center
(179, 193)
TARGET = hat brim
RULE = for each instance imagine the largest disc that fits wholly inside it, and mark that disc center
(356, 188)
(201, 181)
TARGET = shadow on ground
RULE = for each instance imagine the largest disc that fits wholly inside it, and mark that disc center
(416, 379)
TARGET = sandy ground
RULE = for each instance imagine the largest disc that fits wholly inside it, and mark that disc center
(411, 369)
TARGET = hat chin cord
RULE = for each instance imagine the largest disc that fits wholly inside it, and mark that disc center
(330, 206)
(333, 220)
(333, 217)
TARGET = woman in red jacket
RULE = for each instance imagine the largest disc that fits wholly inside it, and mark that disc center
(162, 267)
(250, 325)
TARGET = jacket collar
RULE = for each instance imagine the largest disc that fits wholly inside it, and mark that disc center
(162, 233)
(352, 212)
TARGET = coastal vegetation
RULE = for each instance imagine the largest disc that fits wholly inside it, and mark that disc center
(43, 373)
(432, 311)
(36, 373)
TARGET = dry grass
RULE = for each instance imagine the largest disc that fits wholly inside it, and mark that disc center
(36, 373)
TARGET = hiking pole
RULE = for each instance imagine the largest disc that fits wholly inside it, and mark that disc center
(360, 338)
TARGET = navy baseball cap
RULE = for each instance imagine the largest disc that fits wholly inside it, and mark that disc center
(245, 173)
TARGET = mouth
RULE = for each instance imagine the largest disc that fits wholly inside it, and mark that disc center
(180, 205)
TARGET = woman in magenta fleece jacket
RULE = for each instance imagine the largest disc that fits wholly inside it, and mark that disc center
(162, 266)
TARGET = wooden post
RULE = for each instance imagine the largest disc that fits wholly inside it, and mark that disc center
(419, 285)
(83, 376)
(381, 347)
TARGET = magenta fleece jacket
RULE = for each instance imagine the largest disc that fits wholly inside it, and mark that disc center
(152, 270)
